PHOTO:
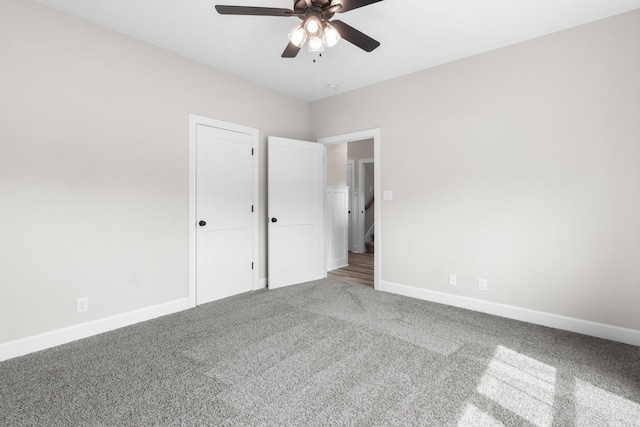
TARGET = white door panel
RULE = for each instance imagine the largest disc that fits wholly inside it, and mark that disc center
(224, 202)
(296, 211)
(337, 222)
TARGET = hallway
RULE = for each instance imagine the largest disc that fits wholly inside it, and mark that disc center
(360, 270)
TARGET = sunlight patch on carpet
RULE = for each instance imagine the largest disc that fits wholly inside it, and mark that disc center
(520, 384)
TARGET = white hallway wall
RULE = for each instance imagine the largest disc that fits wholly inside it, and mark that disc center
(521, 167)
(94, 166)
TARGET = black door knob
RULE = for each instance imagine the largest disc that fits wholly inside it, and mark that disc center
(274, 219)
(202, 223)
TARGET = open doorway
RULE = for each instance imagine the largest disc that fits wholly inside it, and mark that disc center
(352, 163)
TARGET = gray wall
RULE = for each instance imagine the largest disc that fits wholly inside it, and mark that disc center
(359, 150)
(520, 166)
(337, 165)
(94, 166)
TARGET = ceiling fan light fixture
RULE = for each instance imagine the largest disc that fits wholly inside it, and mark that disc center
(315, 29)
(315, 45)
(298, 36)
(330, 36)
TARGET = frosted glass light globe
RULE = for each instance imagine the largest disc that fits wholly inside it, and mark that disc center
(298, 36)
(316, 45)
(313, 27)
(330, 35)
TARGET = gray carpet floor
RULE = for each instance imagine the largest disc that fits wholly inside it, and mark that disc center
(325, 353)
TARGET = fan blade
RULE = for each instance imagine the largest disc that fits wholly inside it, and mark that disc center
(290, 51)
(348, 5)
(354, 36)
(249, 10)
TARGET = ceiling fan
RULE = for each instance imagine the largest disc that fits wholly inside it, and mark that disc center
(315, 27)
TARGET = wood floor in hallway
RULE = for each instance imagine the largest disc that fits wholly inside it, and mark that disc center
(360, 270)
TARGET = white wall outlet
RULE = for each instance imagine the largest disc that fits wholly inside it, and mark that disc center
(482, 285)
(387, 195)
(453, 280)
(82, 305)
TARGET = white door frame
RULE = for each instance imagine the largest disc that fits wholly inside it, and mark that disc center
(194, 121)
(358, 136)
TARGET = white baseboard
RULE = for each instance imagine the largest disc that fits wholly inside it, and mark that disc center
(262, 283)
(586, 327)
(332, 267)
(11, 349)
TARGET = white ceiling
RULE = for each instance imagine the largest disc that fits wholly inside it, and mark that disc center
(414, 35)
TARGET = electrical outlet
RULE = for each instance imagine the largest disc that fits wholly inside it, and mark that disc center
(453, 280)
(482, 285)
(82, 305)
